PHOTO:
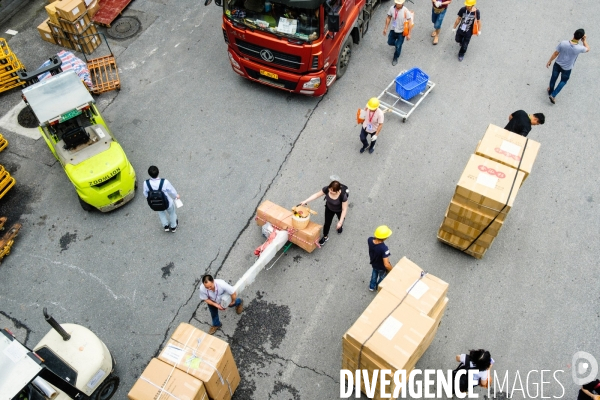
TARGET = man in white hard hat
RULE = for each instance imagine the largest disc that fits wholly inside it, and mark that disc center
(372, 124)
(466, 25)
(379, 256)
(401, 19)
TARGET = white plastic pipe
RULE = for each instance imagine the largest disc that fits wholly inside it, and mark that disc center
(265, 257)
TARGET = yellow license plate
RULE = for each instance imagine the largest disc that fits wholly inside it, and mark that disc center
(269, 74)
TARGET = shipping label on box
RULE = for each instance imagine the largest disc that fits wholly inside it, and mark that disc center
(489, 183)
(424, 294)
(507, 148)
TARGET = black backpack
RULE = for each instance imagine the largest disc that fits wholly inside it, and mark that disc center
(157, 199)
(463, 384)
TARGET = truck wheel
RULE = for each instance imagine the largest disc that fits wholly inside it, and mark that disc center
(344, 57)
(85, 205)
(107, 388)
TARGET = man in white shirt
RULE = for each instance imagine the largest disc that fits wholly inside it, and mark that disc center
(372, 124)
(398, 15)
(566, 54)
(211, 292)
(169, 221)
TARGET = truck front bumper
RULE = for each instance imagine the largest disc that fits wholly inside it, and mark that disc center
(284, 80)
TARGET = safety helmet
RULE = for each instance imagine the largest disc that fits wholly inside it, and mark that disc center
(470, 2)
(373, 103)
(382, 232)
(399, 1)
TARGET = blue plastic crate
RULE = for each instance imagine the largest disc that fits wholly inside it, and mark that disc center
(411, 83)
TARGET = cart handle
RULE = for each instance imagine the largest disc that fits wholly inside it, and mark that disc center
(105, 41)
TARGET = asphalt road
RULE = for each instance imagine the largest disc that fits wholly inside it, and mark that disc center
(228, 144)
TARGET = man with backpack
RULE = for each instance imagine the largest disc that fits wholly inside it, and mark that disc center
(160, 194)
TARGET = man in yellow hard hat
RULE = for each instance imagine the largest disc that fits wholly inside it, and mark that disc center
(379, 255)
(371, 125)
(468, 17)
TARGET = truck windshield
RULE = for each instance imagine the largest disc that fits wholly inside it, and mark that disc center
(278, 19)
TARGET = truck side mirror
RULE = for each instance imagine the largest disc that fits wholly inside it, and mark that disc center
(333, 22)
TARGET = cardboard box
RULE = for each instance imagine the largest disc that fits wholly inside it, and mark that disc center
(488, 183)
(45, 32)
(507, 148)
(205, 357)
(52, 13)
(87, 48)
(393, 336)
(162, 381)
(89, 36)
(79, 26)
(468, 232)
(93, 8)
(282, 219)
(473, 218)
(70, 10)
(476, 250)
(425, 295)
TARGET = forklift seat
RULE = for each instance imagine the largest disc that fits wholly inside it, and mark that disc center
(75, 137)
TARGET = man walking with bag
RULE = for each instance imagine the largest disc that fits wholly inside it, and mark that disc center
(402, 24)
(379, 256)
(160, 194)
(566, 54)
(466, 25)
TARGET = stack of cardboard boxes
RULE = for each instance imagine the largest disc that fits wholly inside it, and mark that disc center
(281, 218)
(194, 361)
(70, 25)
(483, 191)
(399, 324)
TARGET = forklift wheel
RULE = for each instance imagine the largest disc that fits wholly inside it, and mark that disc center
(85, 205)
(107, 388)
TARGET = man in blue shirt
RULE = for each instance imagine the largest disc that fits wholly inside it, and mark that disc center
(379, 255)
(566, 54)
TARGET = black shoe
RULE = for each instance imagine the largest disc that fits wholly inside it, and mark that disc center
(394, 61)
(323, 240)
(173, 230)
(460, 58)
(552, 99)
(166, 228)
(362, 150)
(371, 150)
(340, 230)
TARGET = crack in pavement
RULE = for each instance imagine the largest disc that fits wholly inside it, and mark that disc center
(268, 186)
(196, 283)
(269, 356)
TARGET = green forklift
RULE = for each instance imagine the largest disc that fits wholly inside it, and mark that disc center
(79, 138)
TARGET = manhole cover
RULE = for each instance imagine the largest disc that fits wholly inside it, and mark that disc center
(27, 119)
(124, 28)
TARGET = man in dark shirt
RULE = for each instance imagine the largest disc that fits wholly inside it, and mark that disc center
(379, 255)
(590, 391)
(520, 122)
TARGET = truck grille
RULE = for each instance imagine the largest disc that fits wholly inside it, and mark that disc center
(283, 59)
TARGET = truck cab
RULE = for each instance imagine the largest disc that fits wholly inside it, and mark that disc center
(79, 138)
(301, 46)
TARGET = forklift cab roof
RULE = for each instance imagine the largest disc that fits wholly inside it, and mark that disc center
(57, 95)
(18, 367)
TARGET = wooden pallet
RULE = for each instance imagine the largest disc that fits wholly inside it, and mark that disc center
(104, 73)
(109, 10)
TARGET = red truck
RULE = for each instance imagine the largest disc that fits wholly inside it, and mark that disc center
(300, 46)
